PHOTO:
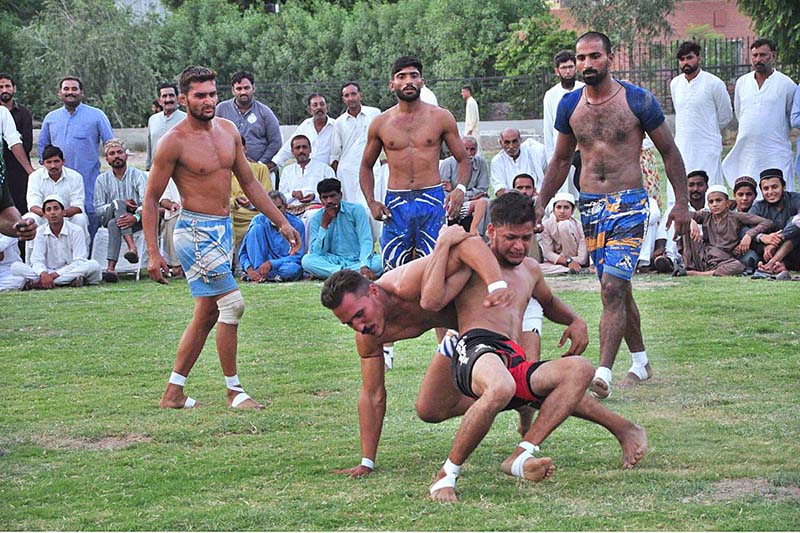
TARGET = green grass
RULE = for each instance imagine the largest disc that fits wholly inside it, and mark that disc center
(82, 365)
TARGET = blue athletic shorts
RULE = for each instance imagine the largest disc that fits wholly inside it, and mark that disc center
(411, 232)
(614, 225)
(203, 243)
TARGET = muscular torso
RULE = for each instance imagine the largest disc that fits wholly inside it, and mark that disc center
(203, 167)
(610, 140)
(506, 321)
(412, 142)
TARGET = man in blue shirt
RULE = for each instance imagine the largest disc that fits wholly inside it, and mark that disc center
(264, 254)
(78, 129)
(340, 236)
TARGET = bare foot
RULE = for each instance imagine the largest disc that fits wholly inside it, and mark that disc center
(174, 398)
(534, 469)
(634, 446)
(442, 494)
(525, 419)
(249, 403)
(632, 379)
(599, 388)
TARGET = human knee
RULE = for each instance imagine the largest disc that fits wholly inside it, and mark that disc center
(427, 412)
(581, 369)
(499, 392)
(231, 308)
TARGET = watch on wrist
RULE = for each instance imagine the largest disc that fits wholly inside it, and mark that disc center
(569, 261)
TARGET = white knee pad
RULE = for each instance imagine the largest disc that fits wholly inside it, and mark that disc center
(231, 307)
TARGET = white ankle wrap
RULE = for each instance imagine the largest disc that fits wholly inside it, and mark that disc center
(232, 382)
(639, 371)
(177, 379)
(639, 358)
(449, 480)
(517, 467)
(231, 308)
(239, 399)
(603, 373)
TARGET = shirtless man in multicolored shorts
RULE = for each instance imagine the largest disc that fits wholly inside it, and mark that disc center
(607, 120)
(199, 154)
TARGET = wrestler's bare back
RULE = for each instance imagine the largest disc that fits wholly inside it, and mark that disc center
(412, 141)
(203, 159)
(609, 137)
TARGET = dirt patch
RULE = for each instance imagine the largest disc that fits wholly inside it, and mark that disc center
(733, 489)
(589, 283)
(325, 393)
(106, 443)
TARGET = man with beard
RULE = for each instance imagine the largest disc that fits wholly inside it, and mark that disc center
(411, 134)
(255, 121)
(607, 120)
(118, 196)
(515, 158)
(78, 129)
(564, 62)
(318, 129)
(200, 153)
(15, 147)
(763, 105)
(702, 110)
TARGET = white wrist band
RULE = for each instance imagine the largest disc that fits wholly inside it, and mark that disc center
(462, 188)
(497, 285)
(369, 463)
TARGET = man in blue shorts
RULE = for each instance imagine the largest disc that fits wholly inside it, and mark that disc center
(411, 135)
(607, 121)
(200, 153)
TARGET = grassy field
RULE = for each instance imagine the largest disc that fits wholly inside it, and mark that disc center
(85, 447)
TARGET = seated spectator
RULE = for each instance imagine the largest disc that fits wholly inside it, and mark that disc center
(264, 254)
(340, 237)
(473, 212)
(719, 247)
(299, 180)
(516, 158)
(563, 241)
(60, 255)
(55, 178)
(118, 195)
(169, 208)
(242, 211)
(780, 206)
(525, 184)
(744, 194)
(9, 254)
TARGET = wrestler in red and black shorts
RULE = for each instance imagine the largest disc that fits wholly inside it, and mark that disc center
(476, 342)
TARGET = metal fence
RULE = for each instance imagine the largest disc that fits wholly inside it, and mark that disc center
(650, 65)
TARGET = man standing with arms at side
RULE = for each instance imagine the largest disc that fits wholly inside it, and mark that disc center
(472, 117)
(411, 134)
(16, 170)
(199, 154)
(607, 120)
(255, 121)
(564, 63)
(318, 128)
(702, 110)
(79, 130)
(763, 105)
(161, 122)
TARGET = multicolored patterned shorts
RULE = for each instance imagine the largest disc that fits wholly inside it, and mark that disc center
(203, 243)
(417, 217)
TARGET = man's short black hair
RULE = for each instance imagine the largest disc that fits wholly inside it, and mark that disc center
(522, 176)
(7, 76)
(312, 96)
(512, 209)
(196, 74)
(406, 61)
(686, 48)
(357, 86)
(242, 75)
(167, 85)
(595, 35)
(329, 185)
(562, 57)
(70, 78)
(299, 136)
(467, 87)
(758, 43)
(698, 173)
(341, 283)
(52, 151)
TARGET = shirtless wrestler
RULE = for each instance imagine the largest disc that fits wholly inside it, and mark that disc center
(411, 135)
(200, 153)
(489, 366)
(607, 120)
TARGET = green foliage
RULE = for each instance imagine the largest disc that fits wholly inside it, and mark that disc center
(531, 44)
(778, 20)
(701, 32)
(111, 51)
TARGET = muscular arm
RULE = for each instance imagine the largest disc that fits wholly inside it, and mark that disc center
(366, 176)
(673, 164)
(556, 172)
